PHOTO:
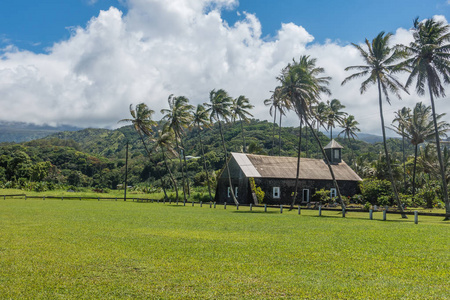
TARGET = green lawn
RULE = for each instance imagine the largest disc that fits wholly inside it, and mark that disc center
(108, 250)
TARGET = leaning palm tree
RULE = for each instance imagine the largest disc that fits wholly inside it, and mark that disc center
(164, 143)
(350, 126)
(239, 110)
(418, 127)
(142, 122)
(200, 119)
(178, 118)
(219, 109)
(335, 115)
(302, 85)
(380, 65)
(430, 61)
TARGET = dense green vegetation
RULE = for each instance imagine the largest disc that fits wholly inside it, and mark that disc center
(114, 250)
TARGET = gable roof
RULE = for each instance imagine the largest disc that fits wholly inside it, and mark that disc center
(263, 166)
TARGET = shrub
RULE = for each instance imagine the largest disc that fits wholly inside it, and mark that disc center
(260, 194)
(367, 206)
(322, 196)
(373, 189)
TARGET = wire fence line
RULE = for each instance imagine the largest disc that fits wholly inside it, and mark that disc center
(384, 210)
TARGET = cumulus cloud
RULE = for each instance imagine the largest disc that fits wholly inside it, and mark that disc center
(158, 48)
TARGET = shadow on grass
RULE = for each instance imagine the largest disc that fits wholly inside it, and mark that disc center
(254, 212)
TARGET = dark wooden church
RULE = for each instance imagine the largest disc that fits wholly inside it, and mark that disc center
(275, 175)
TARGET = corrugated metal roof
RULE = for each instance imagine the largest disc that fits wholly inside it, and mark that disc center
(246, 165)
(286, 167)
(333, 144)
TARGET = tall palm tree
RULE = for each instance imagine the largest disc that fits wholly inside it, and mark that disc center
(335, 115)
(400, 115)
(302, 85)
(273, 103)
(142, 122)
(164, 142)
(380, 67)
(430, 61)
(200, 119)
(240, 108)
(418, 127)
(178, 118)
(219, 109)
(350, 126)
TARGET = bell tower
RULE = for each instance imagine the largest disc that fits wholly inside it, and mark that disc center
(334, 152)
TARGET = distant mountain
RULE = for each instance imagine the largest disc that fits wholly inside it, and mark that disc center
(22, 132)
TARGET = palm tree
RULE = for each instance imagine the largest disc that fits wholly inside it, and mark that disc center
(219, 109)
(349, 125)
(418, 127)
(240, 108)
(302, 85)
(273, 103)
(142, 122)
(178, 118)
(399, 116)
(164, 142)
(380, 66)
(200, 119)
(429, 62)
(335, 115)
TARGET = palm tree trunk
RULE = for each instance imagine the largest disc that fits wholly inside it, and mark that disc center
(388, 161)
(298, 165)
(306, 140)
(182, 167)
(204, 164)
(226, 163)
(170, 173)
(243, 136)
(185, 168)
(273, 132)
(414, 171)
(441, 163)
(279, 136)
(404, 160)
(328, 164)
(351, 149)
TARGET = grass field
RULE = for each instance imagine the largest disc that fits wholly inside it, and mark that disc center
(117, 250)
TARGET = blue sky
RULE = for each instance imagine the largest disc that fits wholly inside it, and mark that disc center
(83, 62)
(36, 25)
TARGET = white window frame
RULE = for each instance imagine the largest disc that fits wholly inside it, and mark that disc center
(307, 194)
(228, 192)
(336, 154)
(333, 193)
(276, 192)
(236, 191)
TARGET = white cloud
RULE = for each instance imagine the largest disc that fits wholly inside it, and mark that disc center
(159, 48)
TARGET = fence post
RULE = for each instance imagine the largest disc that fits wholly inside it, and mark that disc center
(43, 198)
(250, 207)
(299, 210)
(214, 204)
(237, 206)
(371, 214)
(192, 202)
(384, 215)
(210, 204)
(265, 207)
(184, 203)
(343, 212)
(62, 198)
(416, 217)
(98, 198)
(281, 208)
(320, 210)
(224, 205)
(25, 197)
(201, 203)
